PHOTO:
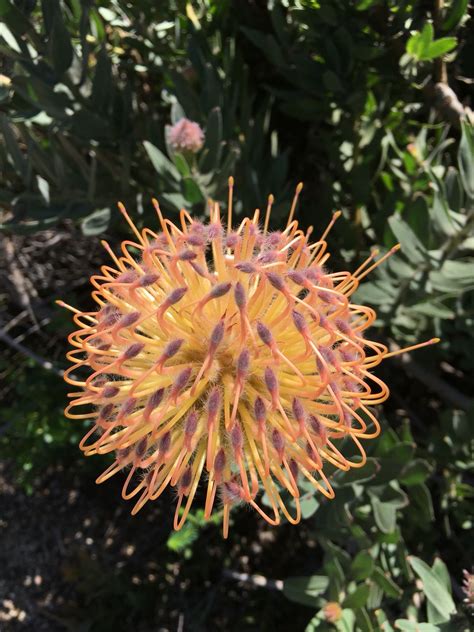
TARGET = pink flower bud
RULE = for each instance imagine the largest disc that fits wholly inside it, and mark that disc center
(299, 321)
(220, 289)
(246, 266)
(156, 399)
(214, 231)
(214, 402)
(133, 350)
(278, 442)
(298, 410)
(191, 424)
(171, 349)
(185, 480)
(217, 334)
(195, 240)
(185, 135)
(236, 437)
(297, 277)
(186, 255)
(181, 381)
(239, 295)
(276, 281)
(271, 381)
(110, 391)
(198, 269)
(243, 362)
(176, 295)
(129, 276)
(148, 279)
(165, 442)
(264, 333)
(343, 326)
(232, 240)
(106, 411)
(128, 320)
(141, 447)
(127, 407)
(220, 461)
(260, 410)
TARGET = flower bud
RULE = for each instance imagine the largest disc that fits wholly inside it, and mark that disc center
(260, 410)
(246, 266)
(133, 350)
(110, 391)
(176, 295)
(220, 289)
(264, 333)
(243, 362)
(239, 295)
(217, 334)
(276, 281)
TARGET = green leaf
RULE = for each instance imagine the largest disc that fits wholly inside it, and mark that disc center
(439, 47)
(454, 14)
(421, 497)
(160, 162)
(422, 47)
(362, 5)
(60, 47)
(346, 622)
(15, 154)
(433, 588)
(432, 309)
(411, 245)
(419, 42)
(441, 571)
(14, 18)
(332, 82)
(191, 191)
(386, 583)
(182, 165)
(96, 222)
(382, 621)
(358, 474)
(362, 566)
(411, 626)
(102, 82)
(364, 624)
(466, 158)
(182, 539)
(415, 472)
(309, 505)
(385, 515)
(454, 276)
(213, 142)
(393, 462)
(358, 598)
(305, 590)
(375, 597)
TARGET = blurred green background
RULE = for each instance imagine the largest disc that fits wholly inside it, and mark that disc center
(368, 103)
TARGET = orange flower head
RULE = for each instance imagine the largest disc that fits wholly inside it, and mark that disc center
(225, 359)
(332, 611)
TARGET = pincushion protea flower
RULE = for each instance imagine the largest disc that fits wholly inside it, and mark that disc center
(230, 358)
(185, 135)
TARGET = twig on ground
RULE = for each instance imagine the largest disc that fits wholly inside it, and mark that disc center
(42, 362)
(14, 321)
(21, 284)
(254, 580)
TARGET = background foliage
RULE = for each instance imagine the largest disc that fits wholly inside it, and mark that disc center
(367, 102)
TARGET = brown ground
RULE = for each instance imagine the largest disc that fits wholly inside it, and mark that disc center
(72, 558)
